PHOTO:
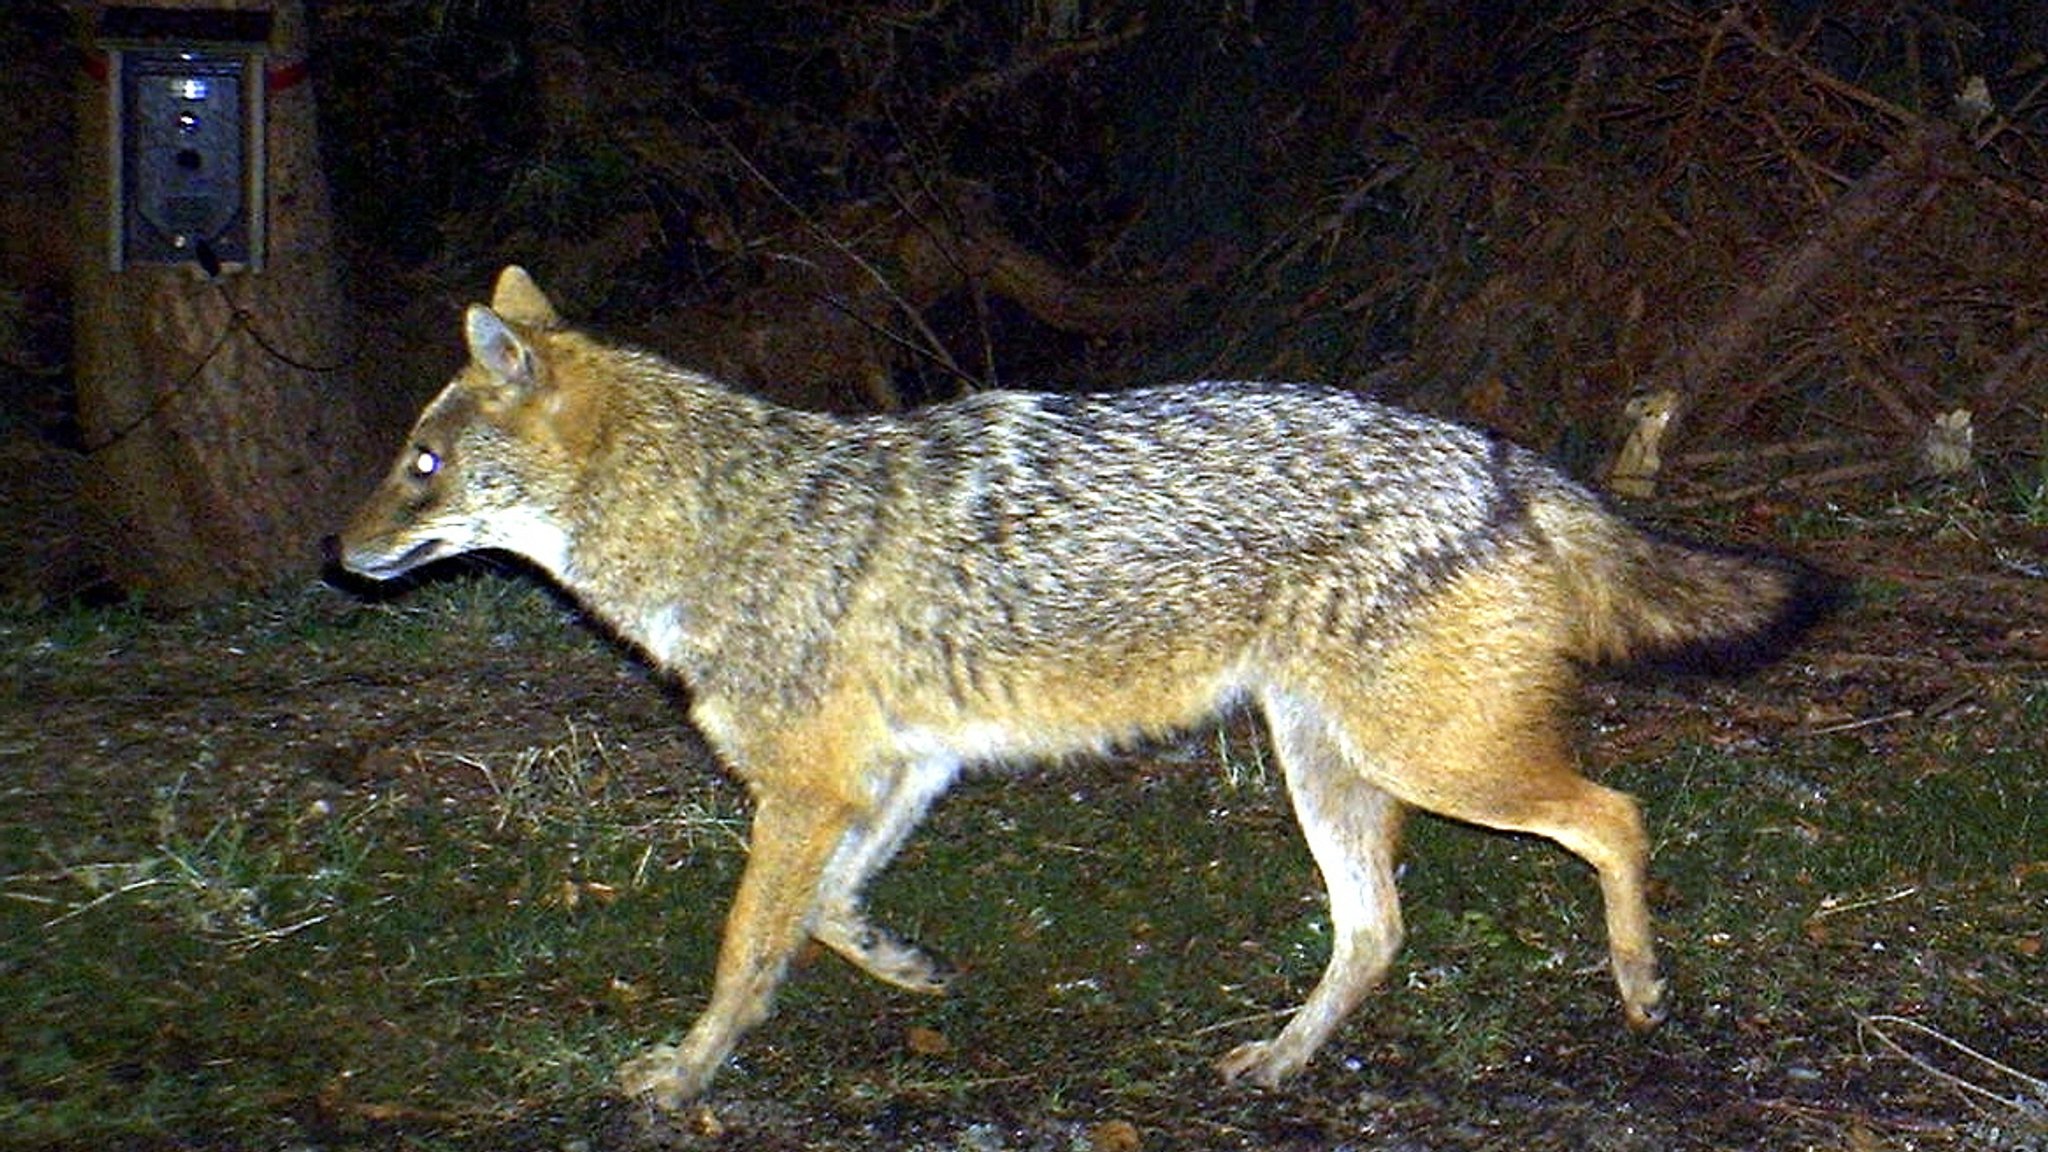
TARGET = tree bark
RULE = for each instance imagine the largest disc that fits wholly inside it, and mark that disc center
(223, 431)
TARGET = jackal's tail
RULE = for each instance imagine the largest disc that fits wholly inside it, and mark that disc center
(1644, 599)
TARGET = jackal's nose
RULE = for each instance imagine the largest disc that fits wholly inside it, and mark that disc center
(330, 550)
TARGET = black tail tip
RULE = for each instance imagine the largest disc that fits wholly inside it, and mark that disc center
(1810, 596)
(1816, 595)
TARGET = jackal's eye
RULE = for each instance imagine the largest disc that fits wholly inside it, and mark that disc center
(425, 463)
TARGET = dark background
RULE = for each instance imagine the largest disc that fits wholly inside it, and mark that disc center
(1518, 214)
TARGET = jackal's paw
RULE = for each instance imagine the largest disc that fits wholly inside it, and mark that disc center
(1259, 1062)
(893, 960)
(1646, 1012)
(886, 956)
(662, 1077)
(925, 973)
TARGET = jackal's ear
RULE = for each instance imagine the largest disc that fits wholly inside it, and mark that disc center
(518, 299)
(499, 350)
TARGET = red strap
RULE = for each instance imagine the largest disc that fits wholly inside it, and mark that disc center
(282, 78)
(285, 77)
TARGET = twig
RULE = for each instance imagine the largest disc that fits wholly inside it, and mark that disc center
(1865, 722)
(1828, 910)
(2037, 1087)
(1254, 1018)
(1819, 78)
(936, 348)
(1019, 71)
(2013, 368)
(955, 1085)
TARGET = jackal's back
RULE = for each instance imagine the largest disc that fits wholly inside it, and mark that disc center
(1054, 518)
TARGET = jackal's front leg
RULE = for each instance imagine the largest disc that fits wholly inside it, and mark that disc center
(792, 839)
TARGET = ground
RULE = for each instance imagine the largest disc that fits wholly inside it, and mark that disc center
(326, 873)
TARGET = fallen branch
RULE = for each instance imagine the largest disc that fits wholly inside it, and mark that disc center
(1765, 451)
(1886, 191)
(1825, 478)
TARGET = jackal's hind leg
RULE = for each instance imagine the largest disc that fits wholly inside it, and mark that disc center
(1530, 785)
(1515, 773)
(1353, 830)
(1605, 828)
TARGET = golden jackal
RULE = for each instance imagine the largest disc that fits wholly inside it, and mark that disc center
(861, 606)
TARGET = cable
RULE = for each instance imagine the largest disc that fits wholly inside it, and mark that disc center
(239, 319)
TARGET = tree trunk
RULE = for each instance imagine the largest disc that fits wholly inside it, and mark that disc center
(223, 430)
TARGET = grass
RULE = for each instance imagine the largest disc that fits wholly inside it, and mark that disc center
(418, 874)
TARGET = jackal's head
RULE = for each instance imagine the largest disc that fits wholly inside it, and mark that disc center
(485, 465)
